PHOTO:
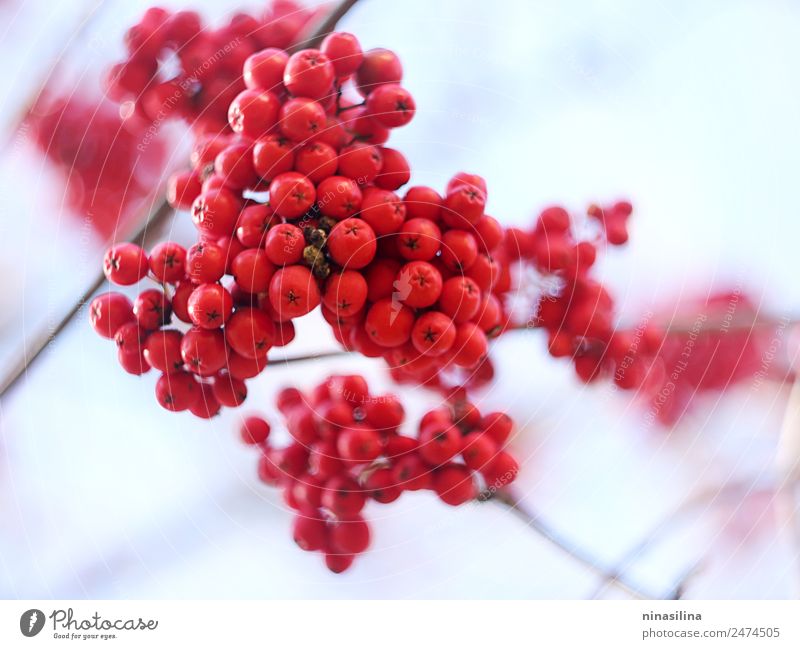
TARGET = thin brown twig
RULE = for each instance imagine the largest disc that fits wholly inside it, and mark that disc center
(535, 522)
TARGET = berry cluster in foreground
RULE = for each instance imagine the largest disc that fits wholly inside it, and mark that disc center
(297, 209)
(347, 449)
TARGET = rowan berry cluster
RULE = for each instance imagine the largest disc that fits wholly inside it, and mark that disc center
(106, 176)
(346, 448)
(177, 67)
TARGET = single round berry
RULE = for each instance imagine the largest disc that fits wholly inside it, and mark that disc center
(291, 194)
(361, 445)
(454, 484)
(125, 264)
(338, 197)
(343, 496)
(252, 270)
(378, 67)
(345, 293)
(253, 112)
(389, 323)
(203, 351)
(380, 486)
(316, 161)
(162, 350)
(418, 284)
(463, 206)
(210, 306)
(344, 52)
(250, 332)
(108, 312)
(301, 118)
(423, 203)
(391, 105)
(309, 73)
(459, 250)
(152, 309)
(433, 333)
(460, 298)
(273, 155)
(361, 162)
(177, 391)
(253, 224)
(264, 70)
(293, 292)
(350, 535)
(439, 444)
(284, 244)
(310, 532)
(183, 187)
(383, 210)
(229, 391)
(395, 170)
(352, 243)
(205, 262)
(214, 213)
(470, 346)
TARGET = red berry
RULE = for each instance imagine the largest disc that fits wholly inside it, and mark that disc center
(180, 300)
(498, 426)
(177, 391)
(352, 243)
(284, 244)
(293, 292)
(252, 270)
(488, 233)
(433, 334)
(264, 69)
(183, 187)
(210, 306)
(411, 473)
(391, 105)
(338, 197)
(462, 179)
(343, 496)
(309, 73)
(253, 224)
(344, 52)
(395, 170)
(424, 203)
(317, 161)
(162, 350)
(378, 67)
(291, 194)
(381, 276)
(337, 563)
(383, 210)
(459, 250)
(152, 309)
(419, 239)
(125, 264)
(205, 262)
(310, 532)
(418, 284)
(460, 299)
(254, 430)
(203, 351)
(360, 445)
(345, 293)
(439, 444)
(380, 486)
(501, 472)
(253, 113)
(389, 323)
(350, 535)
(250, 332)
(463, 206)
(301, 118)
(478, 450)
(273, 155)
(454, 485)
(229, 391)
(361, 162)
(214, 213)
(108, 312)
(384, 413)
(470, 346)
(206, 405)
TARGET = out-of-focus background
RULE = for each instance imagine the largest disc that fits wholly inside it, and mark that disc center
(689, 109)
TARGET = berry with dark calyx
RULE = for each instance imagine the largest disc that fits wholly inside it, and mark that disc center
(380, 486)
(291, 194)
(210, 306)
(252, 270)
(352, 243)
(343, 496)
(229, 391)
(152, 309)
(203, 351)
(309, 73)
(162, 350)
(345, 293)
(125, 264)
(293, 292)
(250, 332)
(177, 391)
(418, 284)
(301, 118)
(338, 197)
(433, 333)
(284, 244)
(214, 213)
(108, 312)
(205, 262)
(391, 105)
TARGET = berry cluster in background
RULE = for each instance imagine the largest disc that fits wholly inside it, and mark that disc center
(347, 448)
(179, 68)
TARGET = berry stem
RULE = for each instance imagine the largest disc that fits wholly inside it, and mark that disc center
(533, 520)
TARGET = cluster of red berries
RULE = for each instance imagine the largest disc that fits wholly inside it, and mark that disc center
(208, 61)
(578, 312)
(107, 176)
(346, 449)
